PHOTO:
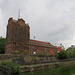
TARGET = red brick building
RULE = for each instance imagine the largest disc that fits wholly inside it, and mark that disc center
(41, 47)
(59, 49)
(18, 38)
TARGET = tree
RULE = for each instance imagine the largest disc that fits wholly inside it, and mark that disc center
(71, 51)
(63, 54)
(2, 45)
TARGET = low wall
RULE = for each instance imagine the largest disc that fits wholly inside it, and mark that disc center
(28, 59)
(61, 64)
(6, 57)
(39, 59)
(36, 62)
(31, 59)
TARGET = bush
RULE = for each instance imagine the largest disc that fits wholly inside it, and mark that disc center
(8, 68)
(16, 53)
(57, 64)
(63, 54)
(2, 45)
(71, 51)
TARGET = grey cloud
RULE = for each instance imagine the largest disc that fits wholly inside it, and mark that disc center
(49, 20)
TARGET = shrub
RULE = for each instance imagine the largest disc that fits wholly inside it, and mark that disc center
(51, 55)
(63, 54)
(23, 54)
(71, 52)
(16, 53)
(57, 64)
(8, 68)
(2, 45)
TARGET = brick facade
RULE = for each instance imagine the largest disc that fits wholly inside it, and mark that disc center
(41, 47)
(18, 38)
(18, 35)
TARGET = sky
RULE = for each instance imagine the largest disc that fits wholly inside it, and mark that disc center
(49, 20)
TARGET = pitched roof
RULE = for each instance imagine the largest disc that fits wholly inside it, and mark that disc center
(41, 42)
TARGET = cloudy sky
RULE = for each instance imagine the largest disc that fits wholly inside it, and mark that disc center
(50, 20)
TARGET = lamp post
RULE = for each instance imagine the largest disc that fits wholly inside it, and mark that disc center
(34, 53)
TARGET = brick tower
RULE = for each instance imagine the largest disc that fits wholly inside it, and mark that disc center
(17, 37)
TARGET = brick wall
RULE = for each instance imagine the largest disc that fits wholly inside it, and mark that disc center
(18, 38)
(18, 35)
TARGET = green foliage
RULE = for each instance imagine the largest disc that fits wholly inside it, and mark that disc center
(8, 68)
(71, 52)
(23, 54)
(63, 54)
(15, 53)
(51, 55)
(2, 45)
(71, 49)
(41, 54)
(57, 64)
